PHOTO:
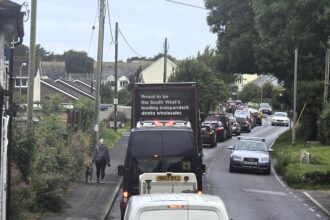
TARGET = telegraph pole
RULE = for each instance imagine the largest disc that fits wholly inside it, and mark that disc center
(32, 67)
(295, 95)
(165, 60)
(115, 101)
(99, 72)
(326, 73)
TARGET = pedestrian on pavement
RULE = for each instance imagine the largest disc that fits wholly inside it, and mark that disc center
(101, 158)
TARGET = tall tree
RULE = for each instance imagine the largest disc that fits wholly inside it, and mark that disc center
(233, 21)
(78, 62)
(284, 24)
(212, 90)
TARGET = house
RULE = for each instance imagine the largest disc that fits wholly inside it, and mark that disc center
(155, 72)
(124, 72)
(52, 78)
(243, 79)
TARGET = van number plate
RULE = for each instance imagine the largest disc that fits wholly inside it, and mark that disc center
(168, 178)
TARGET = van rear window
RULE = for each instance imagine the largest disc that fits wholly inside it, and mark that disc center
(178, 143)
(146, 143)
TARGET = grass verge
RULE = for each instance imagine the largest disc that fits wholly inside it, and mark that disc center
(315, 175)
(110, 136)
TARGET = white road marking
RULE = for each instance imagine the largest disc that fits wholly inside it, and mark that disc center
(208, 170)
(291, 192)
(316, 203)
(318, 215)
(300, 200)
(281, 182)
(305, 205)
(310, 209)
(264, 191)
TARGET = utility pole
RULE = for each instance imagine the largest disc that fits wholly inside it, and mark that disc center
(99, 72)
(326, 73)
(261, 93)
(32, 68)
(165, 60)
(295, 95)
(115, 101)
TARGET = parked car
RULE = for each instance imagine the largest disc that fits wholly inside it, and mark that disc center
(235, 126)
(217, 126)
(250, 153)
(224, 120)
(209, 137)
(163, 206)
(244, 123)
(280, 118)
(265, 108)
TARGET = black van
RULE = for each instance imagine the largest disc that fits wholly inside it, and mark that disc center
(159, 149)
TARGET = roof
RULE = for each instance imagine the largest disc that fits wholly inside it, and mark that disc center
(124, 69)
(66, 89)
(161, 201)
(53, 69)
(263, 79)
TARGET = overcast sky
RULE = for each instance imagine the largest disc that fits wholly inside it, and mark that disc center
(67, 24)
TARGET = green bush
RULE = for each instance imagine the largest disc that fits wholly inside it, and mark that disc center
(324, 125)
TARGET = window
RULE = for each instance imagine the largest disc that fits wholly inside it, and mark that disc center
(24, 82)
(18, 83)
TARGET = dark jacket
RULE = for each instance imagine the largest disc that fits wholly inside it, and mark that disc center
(101, 153)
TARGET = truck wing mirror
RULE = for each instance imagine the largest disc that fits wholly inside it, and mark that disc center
(120, 170)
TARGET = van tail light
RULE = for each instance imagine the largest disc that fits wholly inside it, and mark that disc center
(175, 206)
(125, 196)
(199, 192)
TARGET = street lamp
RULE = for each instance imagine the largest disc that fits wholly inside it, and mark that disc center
(20, 78)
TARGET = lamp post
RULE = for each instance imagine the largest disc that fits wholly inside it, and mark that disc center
(20, 78)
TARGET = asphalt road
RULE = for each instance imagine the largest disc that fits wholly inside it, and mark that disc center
(249, 195)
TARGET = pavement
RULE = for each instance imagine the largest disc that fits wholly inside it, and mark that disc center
(93, 201)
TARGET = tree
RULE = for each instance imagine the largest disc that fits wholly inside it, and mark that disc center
(233, 21)
(124, 97)
(106, 92)
(78, 62)
(211, 89)
(267, 90)
(283, 25)
(249, 92)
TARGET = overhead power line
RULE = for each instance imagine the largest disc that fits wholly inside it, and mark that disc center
(110, 22)
(129, 44)
(181, 3)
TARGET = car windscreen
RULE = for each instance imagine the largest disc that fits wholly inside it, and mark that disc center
(280, 114)
(250, 146)
(241, 119)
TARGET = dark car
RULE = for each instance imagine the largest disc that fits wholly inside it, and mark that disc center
(209, 137)
(256, 115)
(265, 108)
(245, 123)
(231, 107)
(235, 126)
(224, 120)
(221, 134)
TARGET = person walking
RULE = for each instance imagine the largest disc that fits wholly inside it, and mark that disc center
(101, 158)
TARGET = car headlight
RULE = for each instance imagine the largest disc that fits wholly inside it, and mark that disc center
(235, 157)
(264, 159)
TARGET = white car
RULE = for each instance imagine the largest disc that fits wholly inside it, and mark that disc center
(183, 206)
(280, 118)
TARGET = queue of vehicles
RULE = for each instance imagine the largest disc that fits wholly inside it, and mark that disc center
(163, 168)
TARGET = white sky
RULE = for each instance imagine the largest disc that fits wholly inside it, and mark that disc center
(67, 24)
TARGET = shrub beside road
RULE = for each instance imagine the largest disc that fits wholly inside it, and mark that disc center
(312, 175)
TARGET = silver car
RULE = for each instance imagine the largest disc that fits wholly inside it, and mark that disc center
(250, 153)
